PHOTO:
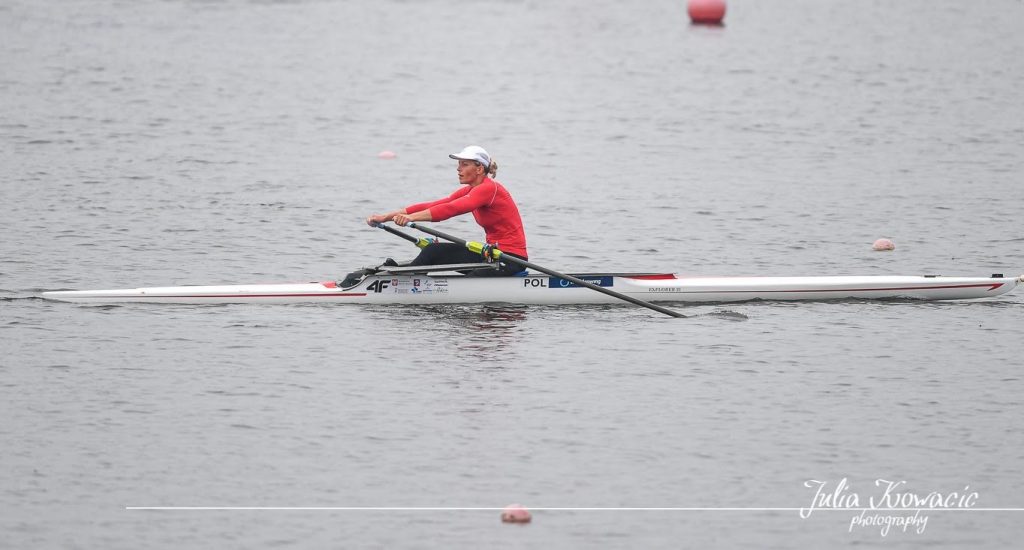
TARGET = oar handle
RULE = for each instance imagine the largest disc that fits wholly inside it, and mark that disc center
(508, 258)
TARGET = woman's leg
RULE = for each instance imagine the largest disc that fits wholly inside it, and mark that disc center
(506, 270)
(440, 254)
(445, 253)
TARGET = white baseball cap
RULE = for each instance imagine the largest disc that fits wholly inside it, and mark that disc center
(473, 152)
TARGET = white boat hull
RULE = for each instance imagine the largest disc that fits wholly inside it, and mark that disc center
(542, 289)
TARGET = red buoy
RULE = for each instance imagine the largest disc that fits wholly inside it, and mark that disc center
(706, 12)
(516, 513)
(883, 245)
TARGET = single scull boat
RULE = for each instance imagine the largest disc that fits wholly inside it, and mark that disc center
(447, 284)
(404, 285)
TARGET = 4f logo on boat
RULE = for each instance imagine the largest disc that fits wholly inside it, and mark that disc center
(378, 286)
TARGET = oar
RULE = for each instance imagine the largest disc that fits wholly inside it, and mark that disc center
(480, 248)
(418, 242)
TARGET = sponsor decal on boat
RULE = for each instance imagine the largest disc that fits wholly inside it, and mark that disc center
(535, 282)
(601, 280)
(558, 282)
(422, 286)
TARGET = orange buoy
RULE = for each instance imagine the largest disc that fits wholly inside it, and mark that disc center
(706, 12)
(386, 155)
(515, 513)
(882, 245)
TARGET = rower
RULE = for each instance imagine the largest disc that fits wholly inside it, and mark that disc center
(490, 203)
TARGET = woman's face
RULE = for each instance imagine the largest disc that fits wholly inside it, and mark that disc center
(469, 171)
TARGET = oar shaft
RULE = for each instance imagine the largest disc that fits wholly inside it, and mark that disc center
(576, 280)
(418, 242)
(592, 286)
(436, 233)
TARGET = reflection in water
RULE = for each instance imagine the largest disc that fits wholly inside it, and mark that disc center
(482, 328)
(492, 328)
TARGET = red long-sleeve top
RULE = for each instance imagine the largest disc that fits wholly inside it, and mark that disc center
(492, 207)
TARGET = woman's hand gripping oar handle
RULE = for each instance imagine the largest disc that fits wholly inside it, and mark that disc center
(508, 258)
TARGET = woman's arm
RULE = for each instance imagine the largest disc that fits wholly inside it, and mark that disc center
(419, 212)
(467, 201)
(421, 216)
(381, 218)
(400, 217)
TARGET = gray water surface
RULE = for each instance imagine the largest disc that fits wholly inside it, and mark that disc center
(146, 143)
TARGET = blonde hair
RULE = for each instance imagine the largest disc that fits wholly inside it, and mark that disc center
(493, 168)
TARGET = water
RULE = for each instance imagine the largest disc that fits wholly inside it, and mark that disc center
(224, 142)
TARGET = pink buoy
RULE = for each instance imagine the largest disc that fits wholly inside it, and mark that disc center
(706, 12)
(386, 155)
(515, 513)
(883, 245)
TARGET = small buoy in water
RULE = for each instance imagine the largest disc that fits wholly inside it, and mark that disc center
(706, 12)
(883, 244)
(514, 513)
(386, 155)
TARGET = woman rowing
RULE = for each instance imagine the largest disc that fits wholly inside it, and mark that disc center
(492, 207)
